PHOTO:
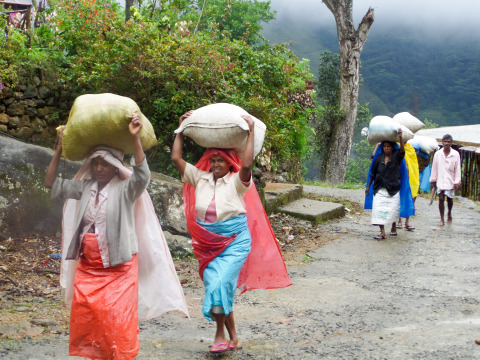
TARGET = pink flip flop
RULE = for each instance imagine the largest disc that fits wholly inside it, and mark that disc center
(233, 347)
(219, 348)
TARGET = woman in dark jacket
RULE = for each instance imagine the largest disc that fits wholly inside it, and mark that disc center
(386, 176)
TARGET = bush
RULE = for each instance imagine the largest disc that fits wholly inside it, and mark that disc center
(87, 47)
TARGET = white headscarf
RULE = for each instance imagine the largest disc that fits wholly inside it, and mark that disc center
(159, 289)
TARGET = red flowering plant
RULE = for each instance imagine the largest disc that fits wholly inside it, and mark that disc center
(87, 32)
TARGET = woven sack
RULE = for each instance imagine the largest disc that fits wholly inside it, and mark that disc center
(221, 126)
(427, 144)
(384, 128)
(408, 120)
(102, 119)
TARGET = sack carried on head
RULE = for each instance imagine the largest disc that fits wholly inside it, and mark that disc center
(102, 119)
(408, 120)
(427, 144)
(384, 128)
(221, 126)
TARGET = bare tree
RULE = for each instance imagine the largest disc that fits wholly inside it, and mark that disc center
(351, 42)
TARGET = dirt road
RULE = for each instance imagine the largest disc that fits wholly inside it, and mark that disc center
(414, 296)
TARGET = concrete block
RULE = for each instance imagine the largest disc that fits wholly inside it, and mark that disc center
(313, 210)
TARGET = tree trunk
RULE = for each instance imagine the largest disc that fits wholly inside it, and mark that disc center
(351, 43)
(128, 3)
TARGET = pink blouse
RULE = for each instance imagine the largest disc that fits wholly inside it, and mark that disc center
(96, 215)
(211, 213)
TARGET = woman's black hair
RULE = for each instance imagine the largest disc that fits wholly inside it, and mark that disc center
(391, 143)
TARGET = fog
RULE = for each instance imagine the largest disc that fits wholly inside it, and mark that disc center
(424, 16)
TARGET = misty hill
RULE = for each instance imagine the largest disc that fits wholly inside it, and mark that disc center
(442, 73)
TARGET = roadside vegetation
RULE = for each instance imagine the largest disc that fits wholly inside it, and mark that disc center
(169, 59)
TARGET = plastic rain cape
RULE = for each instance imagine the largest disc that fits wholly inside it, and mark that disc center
(159, 289)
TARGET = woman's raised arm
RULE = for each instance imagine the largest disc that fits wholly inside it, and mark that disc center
(177, 159)
(247, 161)
(51, 174)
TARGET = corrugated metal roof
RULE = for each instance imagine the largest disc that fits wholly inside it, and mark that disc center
(462, 135)
(16, 2)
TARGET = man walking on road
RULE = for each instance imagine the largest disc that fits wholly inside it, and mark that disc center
(446, 176)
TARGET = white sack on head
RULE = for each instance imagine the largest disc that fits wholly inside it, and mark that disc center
(384, 128)
(427, 144)
(408, 120)
(221, 126)
(102, 119)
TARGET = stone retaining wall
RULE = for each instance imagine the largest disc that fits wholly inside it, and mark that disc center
(30, 110)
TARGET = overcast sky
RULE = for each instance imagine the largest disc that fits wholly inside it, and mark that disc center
(424, 15)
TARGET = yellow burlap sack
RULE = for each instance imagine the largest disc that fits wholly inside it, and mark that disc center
(102, 119)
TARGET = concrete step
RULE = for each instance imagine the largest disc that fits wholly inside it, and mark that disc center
(279, 194)
(313, 210)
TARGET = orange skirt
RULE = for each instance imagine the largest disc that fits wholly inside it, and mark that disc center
(104, 316)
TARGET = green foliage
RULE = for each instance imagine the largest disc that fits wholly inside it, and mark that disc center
(328, 84)
(21, 58)
(235, 19)
(443, 74)
(359, 162)
(429, 124)
(330, 115)
(168, 70)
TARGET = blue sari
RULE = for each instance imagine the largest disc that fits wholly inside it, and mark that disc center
(407, 207)
(220, 277)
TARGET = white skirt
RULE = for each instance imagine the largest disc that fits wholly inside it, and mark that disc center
(385, 208)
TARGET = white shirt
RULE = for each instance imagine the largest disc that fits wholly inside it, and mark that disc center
(228, 190)
(446, 170)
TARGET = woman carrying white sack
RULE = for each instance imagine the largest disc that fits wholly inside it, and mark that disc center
(116, 266)
(391, 191)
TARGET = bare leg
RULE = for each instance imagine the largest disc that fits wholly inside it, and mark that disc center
(441, 207)
(399, 223)
(382, 233)
(393, 230)
(220, 333)
(407, 223)
(230, 325)
(450, 206)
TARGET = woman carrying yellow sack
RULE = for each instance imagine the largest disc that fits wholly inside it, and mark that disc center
(414, 180)
(116, 266)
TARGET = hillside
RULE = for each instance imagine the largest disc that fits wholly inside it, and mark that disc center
(442, 73)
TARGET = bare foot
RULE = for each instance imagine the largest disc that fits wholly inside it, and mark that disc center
(441, 223)
(449, 219)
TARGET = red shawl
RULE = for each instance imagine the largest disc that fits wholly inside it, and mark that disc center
(264, 267)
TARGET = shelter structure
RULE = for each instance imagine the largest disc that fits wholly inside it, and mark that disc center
(19, 12)
(467, 140)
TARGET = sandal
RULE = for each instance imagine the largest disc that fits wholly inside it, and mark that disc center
(380, 237)
(233, 347)
(409, 228)
(219, 348)
(399, 225)
(393, 233)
